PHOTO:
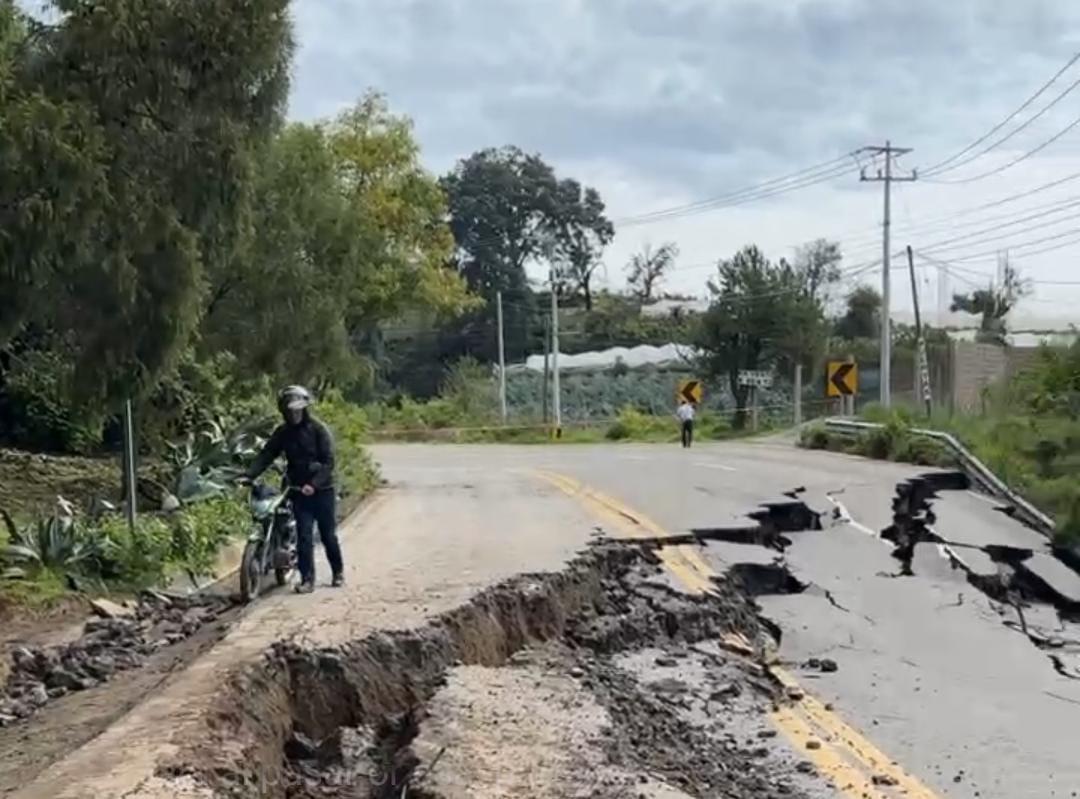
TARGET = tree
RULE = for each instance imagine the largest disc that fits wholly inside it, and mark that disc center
(352, 233)
(580, 233)
(762, 316)
(863, 316)
(129, 138)
(509, 210)
(818, 262)
(649, 267)
(993, 304)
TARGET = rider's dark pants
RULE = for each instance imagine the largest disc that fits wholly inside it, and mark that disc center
(318, 509)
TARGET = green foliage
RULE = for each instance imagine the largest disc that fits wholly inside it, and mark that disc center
(121, 180)
(357, 473)
(35, 407)
(862, 318)
(762, 316)
(894, 440)
(199, 533)
(352, 233)
(138, 559)
(55, 543)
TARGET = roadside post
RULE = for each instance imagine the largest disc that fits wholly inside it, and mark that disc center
(129, 465)
(797, 399)
(755, 379)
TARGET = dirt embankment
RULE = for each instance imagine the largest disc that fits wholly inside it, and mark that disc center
(357, 720)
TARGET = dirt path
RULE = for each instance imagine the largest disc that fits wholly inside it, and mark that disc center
(30, 748)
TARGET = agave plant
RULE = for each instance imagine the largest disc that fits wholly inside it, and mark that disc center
(52, 542)
(206, 461)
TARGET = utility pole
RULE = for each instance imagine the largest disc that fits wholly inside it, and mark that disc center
(547, 371)
(502, 357)
(887, 177)
(556, 401)
(798, 394)
(922, 366)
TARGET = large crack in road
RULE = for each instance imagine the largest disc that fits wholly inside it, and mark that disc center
(356, 720)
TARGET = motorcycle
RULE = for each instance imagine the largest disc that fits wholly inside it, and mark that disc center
(271, 546)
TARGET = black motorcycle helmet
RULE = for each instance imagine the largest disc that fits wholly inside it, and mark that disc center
(293, 398)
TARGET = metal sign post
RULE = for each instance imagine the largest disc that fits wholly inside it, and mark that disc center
(755, 379)
(129, 465)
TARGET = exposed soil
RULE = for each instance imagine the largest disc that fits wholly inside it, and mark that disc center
(58, 696)
(343, 722)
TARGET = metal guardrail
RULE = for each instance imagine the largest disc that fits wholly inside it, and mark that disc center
(975, 468)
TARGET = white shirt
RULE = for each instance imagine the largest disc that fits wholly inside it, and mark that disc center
(685, 412)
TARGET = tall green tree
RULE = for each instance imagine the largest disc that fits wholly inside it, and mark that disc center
(763, 315)
(580, 233)
(351, 233)
(127, 151)
(862, 317)
(509, 210)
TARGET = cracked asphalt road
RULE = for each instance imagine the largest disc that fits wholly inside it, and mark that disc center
(937, 692)
(929, 673)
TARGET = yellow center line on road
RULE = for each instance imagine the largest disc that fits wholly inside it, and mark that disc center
(841, 753)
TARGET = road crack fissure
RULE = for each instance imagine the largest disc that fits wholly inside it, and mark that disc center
(318, 722)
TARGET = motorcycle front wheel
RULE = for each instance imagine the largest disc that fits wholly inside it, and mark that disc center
(251, 571)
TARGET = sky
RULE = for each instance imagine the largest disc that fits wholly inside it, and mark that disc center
(664, 103)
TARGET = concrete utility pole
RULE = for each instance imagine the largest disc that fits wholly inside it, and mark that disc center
(547, 370)
(556, 401)
(502, 357)
(886, 177)
(922, 363)
(798, 394)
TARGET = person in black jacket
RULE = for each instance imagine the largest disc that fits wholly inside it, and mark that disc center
(309, 450)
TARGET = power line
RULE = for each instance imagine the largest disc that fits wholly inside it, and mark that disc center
(944, 243)
(798, 180)
(1020, 245)
(937, 168)
(1017, 160)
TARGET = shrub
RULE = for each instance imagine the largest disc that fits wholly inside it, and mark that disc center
(356, 471)
(814, 436)
(139, 558)
(199, 533)
(54, 543)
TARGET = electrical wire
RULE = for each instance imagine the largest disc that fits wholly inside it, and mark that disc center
(1016, 160)
(948, 244)
(819, 174)
(938, 168)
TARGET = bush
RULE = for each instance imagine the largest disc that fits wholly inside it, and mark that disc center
(135, 559)
(631, 424)
(814, 436)
(356, 471)
(199, 533)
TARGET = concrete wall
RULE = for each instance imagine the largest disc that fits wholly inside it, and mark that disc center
(977, 366)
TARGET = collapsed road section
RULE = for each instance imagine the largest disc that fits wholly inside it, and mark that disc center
(604, 678)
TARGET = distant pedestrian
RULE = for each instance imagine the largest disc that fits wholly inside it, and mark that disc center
(685, 415)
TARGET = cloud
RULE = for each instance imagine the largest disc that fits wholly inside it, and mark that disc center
(662, 102)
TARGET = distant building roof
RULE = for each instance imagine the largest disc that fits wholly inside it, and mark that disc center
(643, 355)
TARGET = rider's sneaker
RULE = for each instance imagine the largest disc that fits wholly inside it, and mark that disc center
(338, 581)
(305, 588)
